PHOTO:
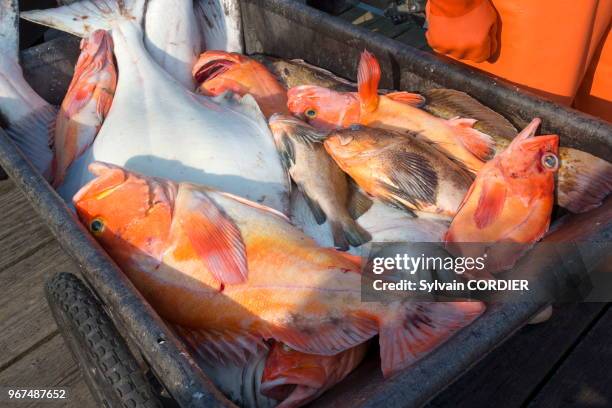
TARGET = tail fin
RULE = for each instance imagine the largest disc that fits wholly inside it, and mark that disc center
(418, 328)
(220, 24)
(347, 232)
(86, 16)
(33, 136)
(9, 29)
(583, 181)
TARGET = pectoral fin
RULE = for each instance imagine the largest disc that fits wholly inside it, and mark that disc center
(412, 179)
(359, 203)
(479, 144)
(212, 233)
(490, 203)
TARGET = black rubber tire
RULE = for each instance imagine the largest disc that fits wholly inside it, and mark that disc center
(110, 370)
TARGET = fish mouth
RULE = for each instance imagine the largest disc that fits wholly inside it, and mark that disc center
(213, 69)
(278, 389)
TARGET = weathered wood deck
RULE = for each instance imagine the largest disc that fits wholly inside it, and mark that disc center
(32, 351)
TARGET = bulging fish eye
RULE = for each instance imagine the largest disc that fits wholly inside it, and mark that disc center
(310, 113)
(96, 226)
(550, 161)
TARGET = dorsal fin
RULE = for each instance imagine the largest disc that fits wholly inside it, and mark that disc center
(368, 77)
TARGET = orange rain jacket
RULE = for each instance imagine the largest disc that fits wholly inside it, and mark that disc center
(561, 49)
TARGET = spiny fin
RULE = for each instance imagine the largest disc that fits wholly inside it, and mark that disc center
(212, 233)
(408, 98)
(583, 180)
(490, 203)
(449, 103)
(416, 329)
(9, 29)
(83, 17)
(222, 347)
(479, 144)
(314, 206)
(359, 203)
(327, 337)
(34, 137)
(368, 77)
(412, 179)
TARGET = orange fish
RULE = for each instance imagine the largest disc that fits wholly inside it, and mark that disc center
(86, 103)
(297, 378)
(399, 169)
(220, 71)
(511, 199)
(218, 263)
(327, 109)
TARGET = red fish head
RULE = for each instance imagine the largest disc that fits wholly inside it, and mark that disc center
(289, 374)
(211, 64)
(126, 212)
(323, 108)
(531, 156)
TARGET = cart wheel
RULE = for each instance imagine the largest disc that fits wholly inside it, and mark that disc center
(112, 373)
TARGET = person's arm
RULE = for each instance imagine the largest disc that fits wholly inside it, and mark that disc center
(463, 29)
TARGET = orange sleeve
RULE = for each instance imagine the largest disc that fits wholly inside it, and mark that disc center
(546, 45)
(463, 29)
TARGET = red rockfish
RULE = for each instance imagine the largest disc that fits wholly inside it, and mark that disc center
(213, 261)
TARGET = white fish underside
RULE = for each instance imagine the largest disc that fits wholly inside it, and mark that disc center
(384, 223)
(157, 127)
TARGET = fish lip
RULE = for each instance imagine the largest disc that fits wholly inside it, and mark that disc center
(212, 69)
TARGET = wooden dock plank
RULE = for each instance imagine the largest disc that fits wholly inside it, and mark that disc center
(508, 376)
(584, 379)
(28, 319)
(32, 352)
(49, 365)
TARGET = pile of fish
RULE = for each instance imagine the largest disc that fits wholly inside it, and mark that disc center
(237, 192)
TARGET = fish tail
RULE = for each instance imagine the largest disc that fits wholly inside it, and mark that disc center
(348, 231)
(220, 24)
(583, 181)
(32, 134)
(83, 17)
(9, 29)
(413, 330)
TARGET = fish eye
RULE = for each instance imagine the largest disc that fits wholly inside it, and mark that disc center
(550, 161)
(286, 347)
(96, 226)
(311, 113)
